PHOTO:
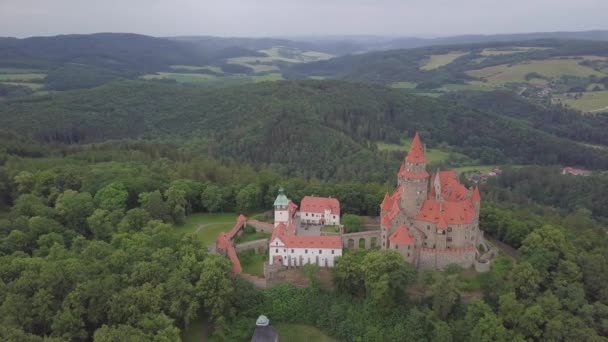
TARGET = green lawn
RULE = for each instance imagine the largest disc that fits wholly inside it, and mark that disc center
(549, 68)
(207, 226)
(437, 61)
(330, 230)
(301, 333)
(18, 77)
(253, 263)
(594, 101)
(33, 86)
(192, 67)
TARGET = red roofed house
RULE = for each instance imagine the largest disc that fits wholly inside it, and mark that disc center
(430, 228)
(320, 210)
(289, 249)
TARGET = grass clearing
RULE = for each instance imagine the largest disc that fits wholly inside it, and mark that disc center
(403, 85)
(432, 155)
(193, 67)
(301, 333)
(33, 86)
(253, 263)
(437, 61)
(550, 68)
(207, 226)
(510, 50)
(594, 101)
(18, 77)
(211, 80)
(330, 230)
(249, 234)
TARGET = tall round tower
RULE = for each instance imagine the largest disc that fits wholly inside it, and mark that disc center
(414, 179)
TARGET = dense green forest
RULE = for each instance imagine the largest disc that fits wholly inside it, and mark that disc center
(322, 129)
(386, 67)
(88, 251)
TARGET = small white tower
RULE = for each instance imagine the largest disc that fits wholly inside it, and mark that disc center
(281, 209)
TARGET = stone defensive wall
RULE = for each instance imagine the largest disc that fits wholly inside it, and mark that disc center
(353, 240)
(439, 258)
(257, 245)
(261, 227)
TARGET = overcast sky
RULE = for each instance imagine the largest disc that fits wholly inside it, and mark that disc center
(23, 18)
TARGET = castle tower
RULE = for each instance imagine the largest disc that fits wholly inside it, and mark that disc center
(281, 209)
(414, 179)
(437, 186)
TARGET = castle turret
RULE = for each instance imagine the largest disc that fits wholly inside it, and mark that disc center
(476, 199)
(281, 209)
(414, 179)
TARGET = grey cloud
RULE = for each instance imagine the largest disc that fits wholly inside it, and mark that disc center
(298, 17)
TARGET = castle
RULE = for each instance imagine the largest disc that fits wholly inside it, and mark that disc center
(432, 220)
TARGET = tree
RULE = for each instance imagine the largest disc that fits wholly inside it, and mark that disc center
(445, 295)
(212, 199)
(248, 199)
(74, 208)
(216, 288)
(112, 197)
(352, 223)
(348, 273)
(176, 204)
(386, 275)
(154, 204)
(134, 220)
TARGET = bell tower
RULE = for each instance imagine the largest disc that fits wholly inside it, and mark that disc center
(281, 209)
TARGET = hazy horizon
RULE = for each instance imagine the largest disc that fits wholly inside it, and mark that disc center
(288, 18)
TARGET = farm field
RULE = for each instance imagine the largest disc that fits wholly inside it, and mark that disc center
(301, 333)
(211, 80)
(510, 50)
(437, 61)
(594, 101)
(275, 54)
(550, 68)
(33, 86)
(207, 226)
(192, 67)
(18, 77)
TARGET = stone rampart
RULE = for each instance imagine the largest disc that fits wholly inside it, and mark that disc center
(436, 258)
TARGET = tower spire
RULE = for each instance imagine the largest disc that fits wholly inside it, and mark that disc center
(416, 152)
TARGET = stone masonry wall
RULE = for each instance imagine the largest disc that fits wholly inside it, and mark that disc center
(439, 258)
(257, 245)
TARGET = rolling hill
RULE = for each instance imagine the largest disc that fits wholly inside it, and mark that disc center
(324, 129)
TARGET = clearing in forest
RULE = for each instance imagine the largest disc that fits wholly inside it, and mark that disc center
(436, 61)
(591, 101)
(510, 50)
(549, 68)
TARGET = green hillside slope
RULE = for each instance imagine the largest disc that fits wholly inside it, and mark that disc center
(325, 129)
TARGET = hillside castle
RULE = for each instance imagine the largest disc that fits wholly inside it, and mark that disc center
(432, 220)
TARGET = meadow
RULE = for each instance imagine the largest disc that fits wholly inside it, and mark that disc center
(550, 68)
(437, 61)
(593, 101)
(253, 263)
(207, 226)
(510, 50)
(212, 80)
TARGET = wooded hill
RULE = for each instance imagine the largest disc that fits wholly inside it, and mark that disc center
(390, 66)
(326, 129)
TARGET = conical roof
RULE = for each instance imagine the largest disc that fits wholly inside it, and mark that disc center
(416, 153)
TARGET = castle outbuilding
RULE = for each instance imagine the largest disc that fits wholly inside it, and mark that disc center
(432, 220)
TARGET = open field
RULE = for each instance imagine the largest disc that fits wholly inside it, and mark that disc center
(594, 101)
(330, 230)
(33, 86)
(207, 226)
(436, 61)
(317, 77)
(472, 85)
(550, 68)
(251, 235)
(253, 263)
(510, 50)
(192, 67)
(403, 85)
(275, 54)
(18, 77)
(211, 80)
(301, 333)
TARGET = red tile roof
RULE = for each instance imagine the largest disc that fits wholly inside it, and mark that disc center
(476, 197)
(461, 212)
(385, 221)
(416, 153)
(441, 224)
(414, 175)
(401, 236)
(387, 202)
(451, 189)
(299, 241)
(240, 222)
(318, 205)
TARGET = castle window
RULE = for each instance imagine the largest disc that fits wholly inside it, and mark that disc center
(319, 251)
(428, 227)
(292, 251)
(449, 238)
(306, 251)
(284, 250)
(277, 251)
(449, 229)
(408, 255)
(395, 246)
(332, 251)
